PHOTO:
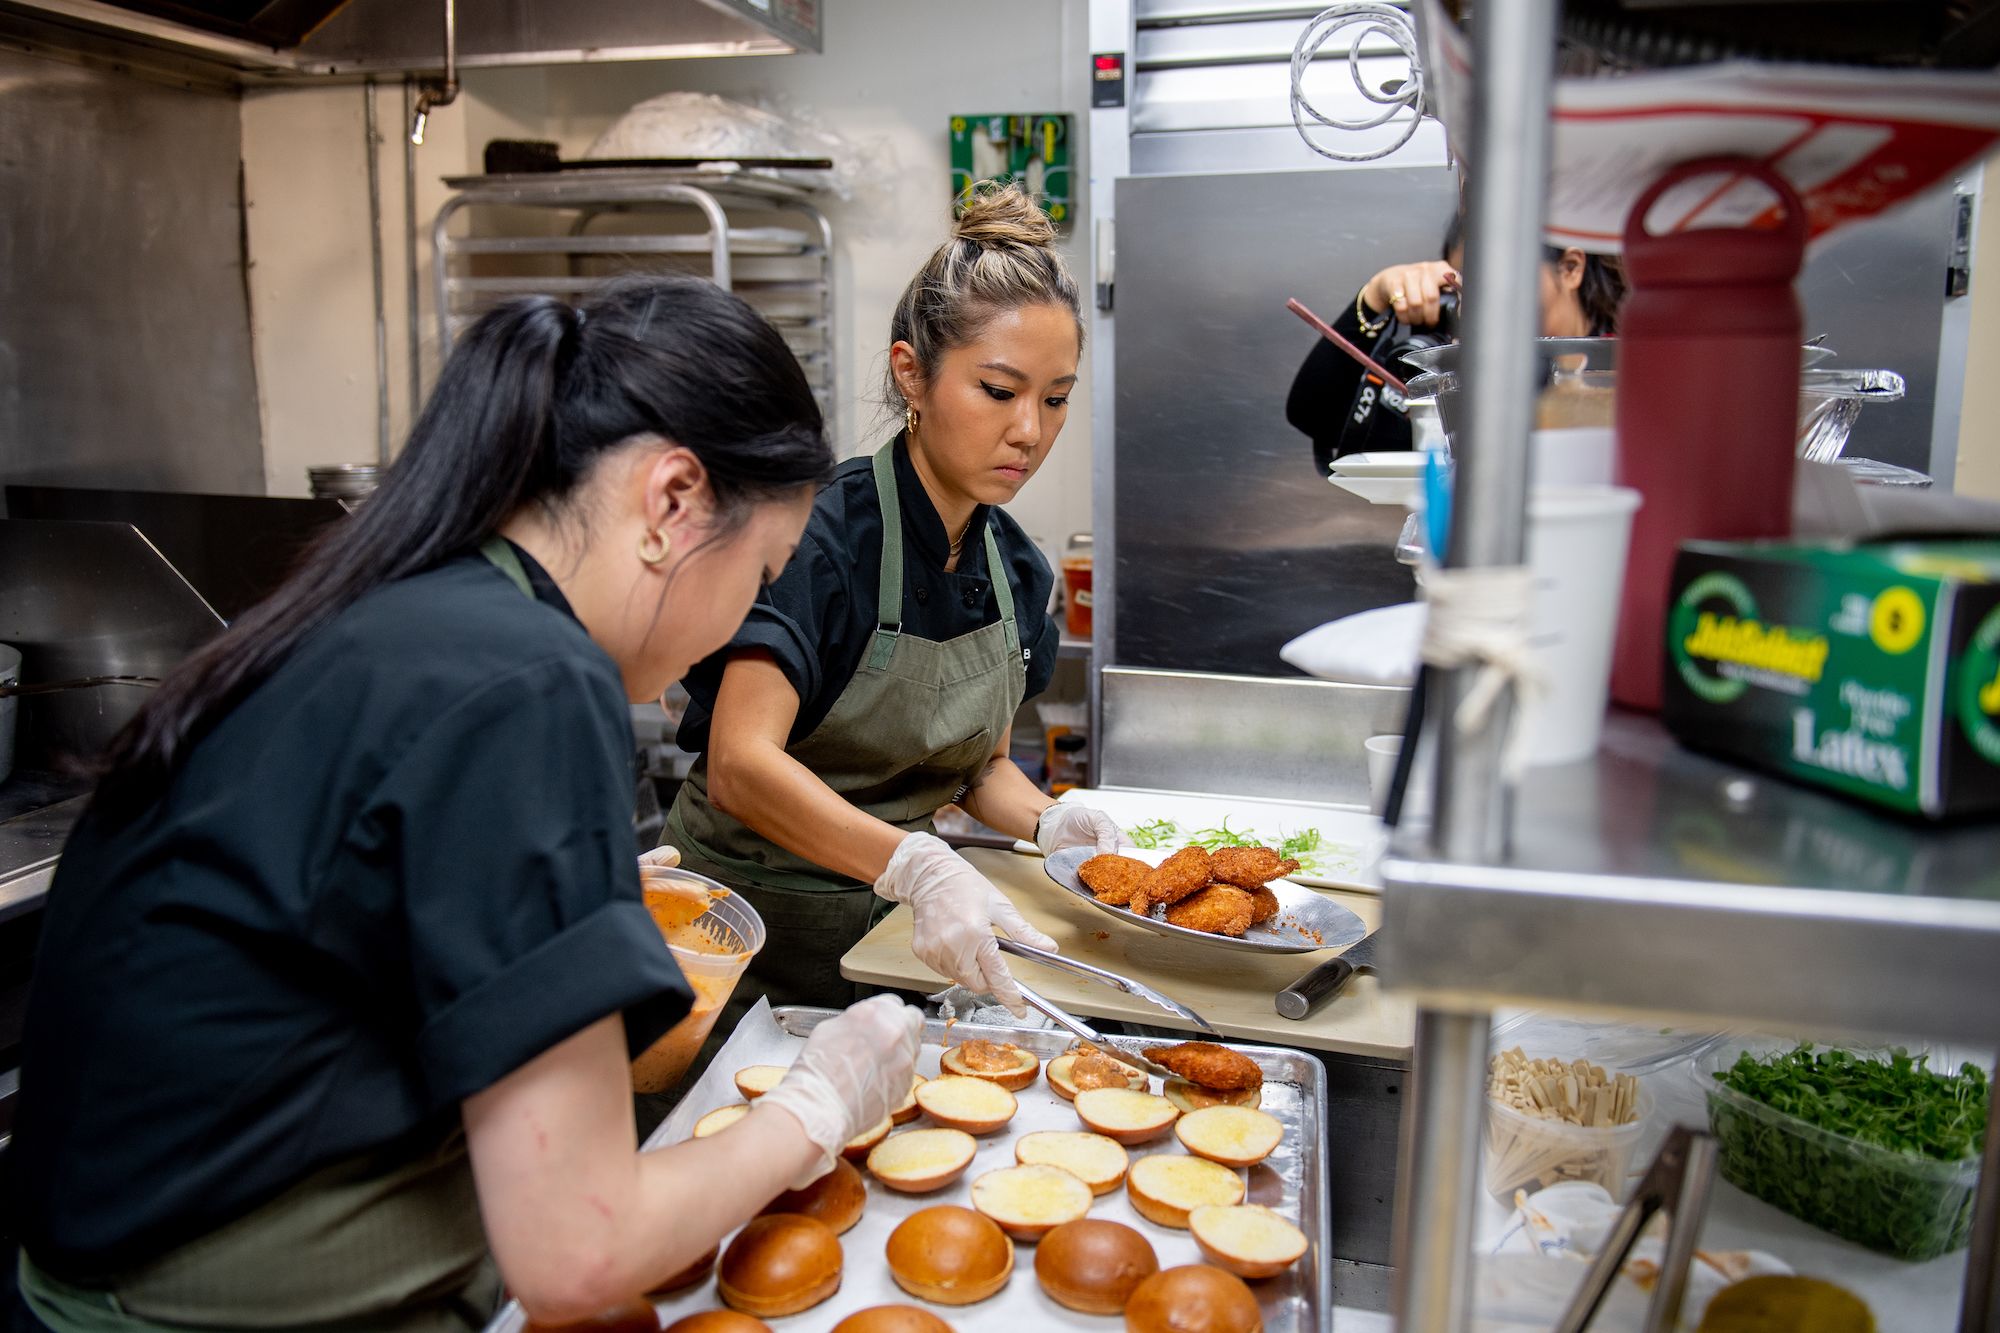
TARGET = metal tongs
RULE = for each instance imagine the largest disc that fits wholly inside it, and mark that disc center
(1076, 1027)
(1111, 979)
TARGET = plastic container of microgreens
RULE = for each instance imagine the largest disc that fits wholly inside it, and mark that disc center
(1900, 1203)
(1525, 1151)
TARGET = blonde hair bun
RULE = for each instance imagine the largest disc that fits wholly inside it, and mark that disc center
(998, 217)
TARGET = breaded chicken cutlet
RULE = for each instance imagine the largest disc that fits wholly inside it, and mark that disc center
(1219, 909)
(1113, 878)
(1263, 905)
(1182, 874)
(1248, 867)
(1209, 1066)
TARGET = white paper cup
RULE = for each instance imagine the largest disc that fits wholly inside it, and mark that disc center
(1577, 537)
(1575, 456)
(1382, 752)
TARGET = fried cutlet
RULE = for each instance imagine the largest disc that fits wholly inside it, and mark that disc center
(1219, 909)
(1209, 1066)
(1263, 905)
(1181, 874)
(1248, 867)
(1113, 878)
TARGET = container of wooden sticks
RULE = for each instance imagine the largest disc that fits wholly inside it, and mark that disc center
(1551, 1120)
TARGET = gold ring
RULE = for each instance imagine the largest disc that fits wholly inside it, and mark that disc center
(1396, 297)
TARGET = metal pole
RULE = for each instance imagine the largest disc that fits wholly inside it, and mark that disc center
(414, 294)
(374, 146)
(1513, 56)
(1439, 1173)
(1979, 1309)
(1508, 166)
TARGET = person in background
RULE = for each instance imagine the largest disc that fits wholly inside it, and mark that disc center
(344, 965)
(1406, 307)
(877, 680)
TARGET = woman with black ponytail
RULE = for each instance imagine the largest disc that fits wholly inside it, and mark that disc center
(343, 967)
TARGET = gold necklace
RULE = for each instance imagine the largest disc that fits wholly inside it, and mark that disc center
(958, 542)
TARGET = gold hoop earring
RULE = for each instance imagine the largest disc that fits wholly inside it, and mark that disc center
(653, 547)
(910, 418)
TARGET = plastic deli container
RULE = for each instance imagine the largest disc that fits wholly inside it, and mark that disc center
(713, 951)
(1527, 1152)
(1902, 1204)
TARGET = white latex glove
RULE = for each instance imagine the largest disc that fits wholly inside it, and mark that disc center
(855, 1069)
(1065, 825)
(956, 911)
(661, 856)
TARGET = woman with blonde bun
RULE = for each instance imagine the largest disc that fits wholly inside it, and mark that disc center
(876, 680)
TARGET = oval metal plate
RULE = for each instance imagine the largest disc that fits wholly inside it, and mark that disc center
(1305, 922)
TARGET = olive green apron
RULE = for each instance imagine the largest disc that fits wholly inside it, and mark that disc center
(916, 724)
(369, 1243)
(380, 1242)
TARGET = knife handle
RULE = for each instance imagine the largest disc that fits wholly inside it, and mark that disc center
(1315, 988)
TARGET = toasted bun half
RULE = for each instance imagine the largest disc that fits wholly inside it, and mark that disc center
(918, 1161)
(861, 1145)
(1166, 1187)
(778, 1265)
(1093, 1265)
(949, 1255)
(721, 1118)
(1194, 1298)
(753, 1081)
(1000, 1063)
(974, 1105)
(892, 1319)
(1097, 1161)
(1030, 1201)
(1247, 1240)
(717, 1321)
(908, 1110)
(697, 1271)
(836, 1198)
(1231, 1135)
(1058, 1075)
(1127, 1116)
(1192, 1097)
(634, 1316)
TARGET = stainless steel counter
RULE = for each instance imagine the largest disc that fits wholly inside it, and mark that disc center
(1656, 881)
(30, 845)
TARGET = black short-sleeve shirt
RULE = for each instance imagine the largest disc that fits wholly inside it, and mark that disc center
(818, 617)
(401, 868)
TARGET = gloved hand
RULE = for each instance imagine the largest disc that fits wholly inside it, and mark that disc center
(660, 856)
(956, 910)
(855, 1069)
(1065, 825)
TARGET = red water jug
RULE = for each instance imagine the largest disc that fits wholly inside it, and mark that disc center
(1708, 393)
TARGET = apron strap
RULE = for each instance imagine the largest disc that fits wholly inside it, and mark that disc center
(1003, 590)
(501, 556)
(889, 577)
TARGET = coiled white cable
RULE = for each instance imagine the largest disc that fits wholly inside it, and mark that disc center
(1480, 618)
(1372, 20)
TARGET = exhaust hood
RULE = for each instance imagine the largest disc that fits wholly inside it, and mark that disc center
(257, 40)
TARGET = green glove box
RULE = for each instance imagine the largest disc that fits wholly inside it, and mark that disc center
(1872, 670)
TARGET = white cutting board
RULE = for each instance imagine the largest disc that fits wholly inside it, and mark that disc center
(1352, 840)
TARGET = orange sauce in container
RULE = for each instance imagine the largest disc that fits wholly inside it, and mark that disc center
(713, 943)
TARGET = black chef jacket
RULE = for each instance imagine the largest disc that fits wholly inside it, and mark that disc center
(402, 867)
(818, 617)
(1344, 408)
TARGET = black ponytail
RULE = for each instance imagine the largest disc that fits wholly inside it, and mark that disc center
(532, 395)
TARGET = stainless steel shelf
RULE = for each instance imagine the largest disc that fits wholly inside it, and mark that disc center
(750, 242)
(1654, 880)
(597, 225)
